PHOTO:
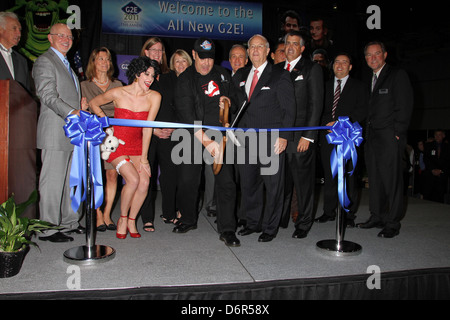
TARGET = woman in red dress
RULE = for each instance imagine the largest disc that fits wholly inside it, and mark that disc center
(134, 101)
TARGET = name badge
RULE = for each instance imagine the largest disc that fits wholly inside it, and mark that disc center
(383, 91)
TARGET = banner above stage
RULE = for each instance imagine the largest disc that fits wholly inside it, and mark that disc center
(182, 18)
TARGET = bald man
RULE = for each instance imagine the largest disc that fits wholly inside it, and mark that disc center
(58, 90)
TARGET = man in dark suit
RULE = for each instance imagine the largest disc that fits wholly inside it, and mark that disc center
(12, 64)
(271, 105)
(389, 113)
(344, 96)
(307, 78)
(58, 90)
(437, 166)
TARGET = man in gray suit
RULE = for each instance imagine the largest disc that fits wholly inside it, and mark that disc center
(58, 90)
(12, 64)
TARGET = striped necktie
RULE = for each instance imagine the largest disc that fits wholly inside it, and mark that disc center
(374, 80)
(337, 95)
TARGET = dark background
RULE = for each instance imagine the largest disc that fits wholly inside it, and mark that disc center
(417, 36)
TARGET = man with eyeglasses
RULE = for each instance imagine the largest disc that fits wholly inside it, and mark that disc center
(389, 113)
(58, 90)
(270, 93)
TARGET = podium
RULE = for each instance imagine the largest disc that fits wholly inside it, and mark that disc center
(18, 124)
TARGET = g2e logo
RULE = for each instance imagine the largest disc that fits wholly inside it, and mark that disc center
(131, 11)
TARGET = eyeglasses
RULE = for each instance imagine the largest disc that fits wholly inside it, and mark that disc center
(156, 50)
(62, 36)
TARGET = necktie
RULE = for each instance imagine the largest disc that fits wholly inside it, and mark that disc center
(374, 80)
(288, 68)
(337, 95)
(254, 82)
(66, 62)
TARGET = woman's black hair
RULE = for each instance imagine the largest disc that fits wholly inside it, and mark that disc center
(139, 65)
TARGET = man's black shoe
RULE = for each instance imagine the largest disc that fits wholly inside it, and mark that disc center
(369, 224)
(230, 239)
(325, 218)
(210, 212)
(246, 231)
(299, 234)
(388, 233)
(56, 237)
(265, 237)
(183, 228)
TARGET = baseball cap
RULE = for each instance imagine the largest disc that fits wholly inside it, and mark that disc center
(205, 48)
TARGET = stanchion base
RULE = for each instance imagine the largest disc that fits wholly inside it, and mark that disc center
(342, 248)
(85, 255)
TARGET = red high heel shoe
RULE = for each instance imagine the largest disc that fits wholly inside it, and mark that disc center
(133, 235)
(121, 235)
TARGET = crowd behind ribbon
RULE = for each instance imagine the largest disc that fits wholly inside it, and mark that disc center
(286, 87)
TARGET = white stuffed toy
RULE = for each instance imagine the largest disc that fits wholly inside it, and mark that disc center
(110, 144)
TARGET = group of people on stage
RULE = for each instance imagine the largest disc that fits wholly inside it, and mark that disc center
(277, 164)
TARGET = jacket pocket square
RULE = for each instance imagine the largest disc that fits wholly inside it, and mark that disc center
(300, 77)
(265, 88)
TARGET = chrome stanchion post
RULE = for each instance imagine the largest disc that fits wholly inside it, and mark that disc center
(339, 246)
(90, 253)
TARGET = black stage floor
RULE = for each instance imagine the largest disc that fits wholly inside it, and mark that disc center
(198, 266)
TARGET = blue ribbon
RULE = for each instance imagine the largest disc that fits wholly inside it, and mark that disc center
(346, 136)
(88, 127)
(161, 124)
(80, 130)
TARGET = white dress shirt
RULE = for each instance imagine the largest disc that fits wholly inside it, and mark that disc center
(248, 83)
(6, 53)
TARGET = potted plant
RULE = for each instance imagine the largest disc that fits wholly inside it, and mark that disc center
(15, 234)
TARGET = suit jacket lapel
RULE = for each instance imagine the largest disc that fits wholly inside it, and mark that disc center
(58, 61)
(381, 78)
(263, 79)
(298, 69)
(244, 81)
(4, 66)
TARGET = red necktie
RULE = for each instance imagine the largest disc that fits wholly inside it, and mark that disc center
(288, 68)
(254, 82)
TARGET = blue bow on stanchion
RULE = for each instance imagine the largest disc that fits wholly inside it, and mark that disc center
(80, 130)
(346, 136)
